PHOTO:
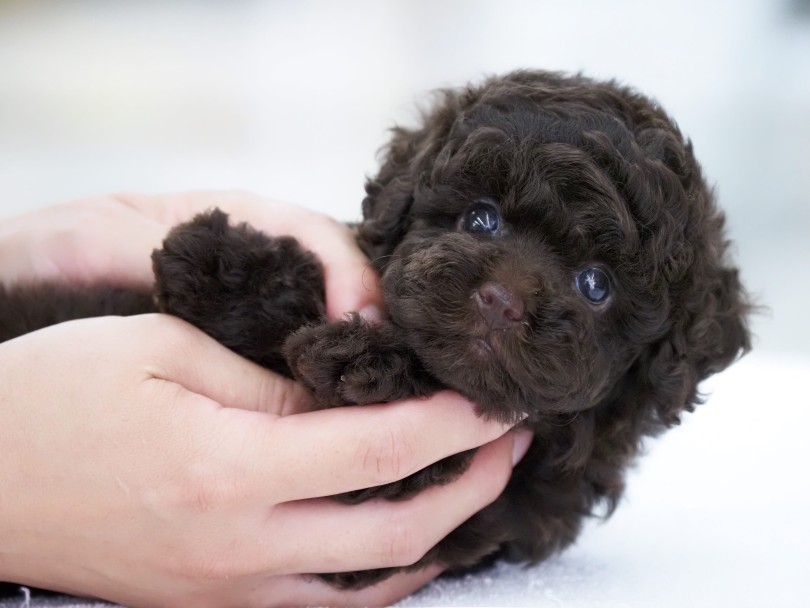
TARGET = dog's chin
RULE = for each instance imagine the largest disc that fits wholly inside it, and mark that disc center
(500, 373)
(481, 368)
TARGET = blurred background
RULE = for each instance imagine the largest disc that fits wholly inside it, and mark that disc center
(293, 99)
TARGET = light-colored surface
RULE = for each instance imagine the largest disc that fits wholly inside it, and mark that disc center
(716, 514)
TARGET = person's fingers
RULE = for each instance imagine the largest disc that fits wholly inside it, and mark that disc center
(127, 257)
(201, 365)
(327, 536)
(81, 241)
(352, 283)
(338, 450)
(175, 207)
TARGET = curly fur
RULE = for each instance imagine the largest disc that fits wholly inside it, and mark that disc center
(582, 173)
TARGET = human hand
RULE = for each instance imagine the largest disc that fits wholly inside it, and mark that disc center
(111, 238)
(146, 464)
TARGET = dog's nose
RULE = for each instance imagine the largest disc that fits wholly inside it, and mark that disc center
(499, 306)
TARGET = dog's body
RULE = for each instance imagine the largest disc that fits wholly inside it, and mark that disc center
(547, 247)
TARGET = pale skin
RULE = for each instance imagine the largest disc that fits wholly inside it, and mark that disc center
(148, 465)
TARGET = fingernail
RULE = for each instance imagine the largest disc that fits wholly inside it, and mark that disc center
(371, 313)
(522, 439)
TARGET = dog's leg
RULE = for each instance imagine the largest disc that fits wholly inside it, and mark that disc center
(26, 308)
(245, 289)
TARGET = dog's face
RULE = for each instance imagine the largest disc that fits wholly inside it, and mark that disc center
(549, 245)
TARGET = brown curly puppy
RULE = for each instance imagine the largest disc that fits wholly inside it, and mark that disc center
(547, 246)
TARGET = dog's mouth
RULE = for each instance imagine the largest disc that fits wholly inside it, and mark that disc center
(492, 344)
(483, 346)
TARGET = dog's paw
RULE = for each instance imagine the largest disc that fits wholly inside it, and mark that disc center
(354, 362)
(244, 288)
(321, 356)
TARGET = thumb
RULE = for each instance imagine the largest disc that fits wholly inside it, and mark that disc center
(352, 284)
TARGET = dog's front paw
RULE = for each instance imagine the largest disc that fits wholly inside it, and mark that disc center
(242, 287)
(354, 362)
(320, 357)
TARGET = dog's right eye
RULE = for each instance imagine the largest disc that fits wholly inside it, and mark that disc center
(481, 218)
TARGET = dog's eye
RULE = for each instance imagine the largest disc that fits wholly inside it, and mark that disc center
(481, 218)
(594, 284)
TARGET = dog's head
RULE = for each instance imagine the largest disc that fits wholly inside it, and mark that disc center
(550, 245)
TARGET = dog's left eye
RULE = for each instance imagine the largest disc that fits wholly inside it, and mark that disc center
(594, 284)
(482, 218)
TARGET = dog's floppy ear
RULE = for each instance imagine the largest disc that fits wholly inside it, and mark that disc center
(407, 159)
(389, 196)
(708, 307)
(709, 332)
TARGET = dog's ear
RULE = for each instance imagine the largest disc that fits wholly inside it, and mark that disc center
(409, 157)
(389, 196)
(708, 307)
(709, 332)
